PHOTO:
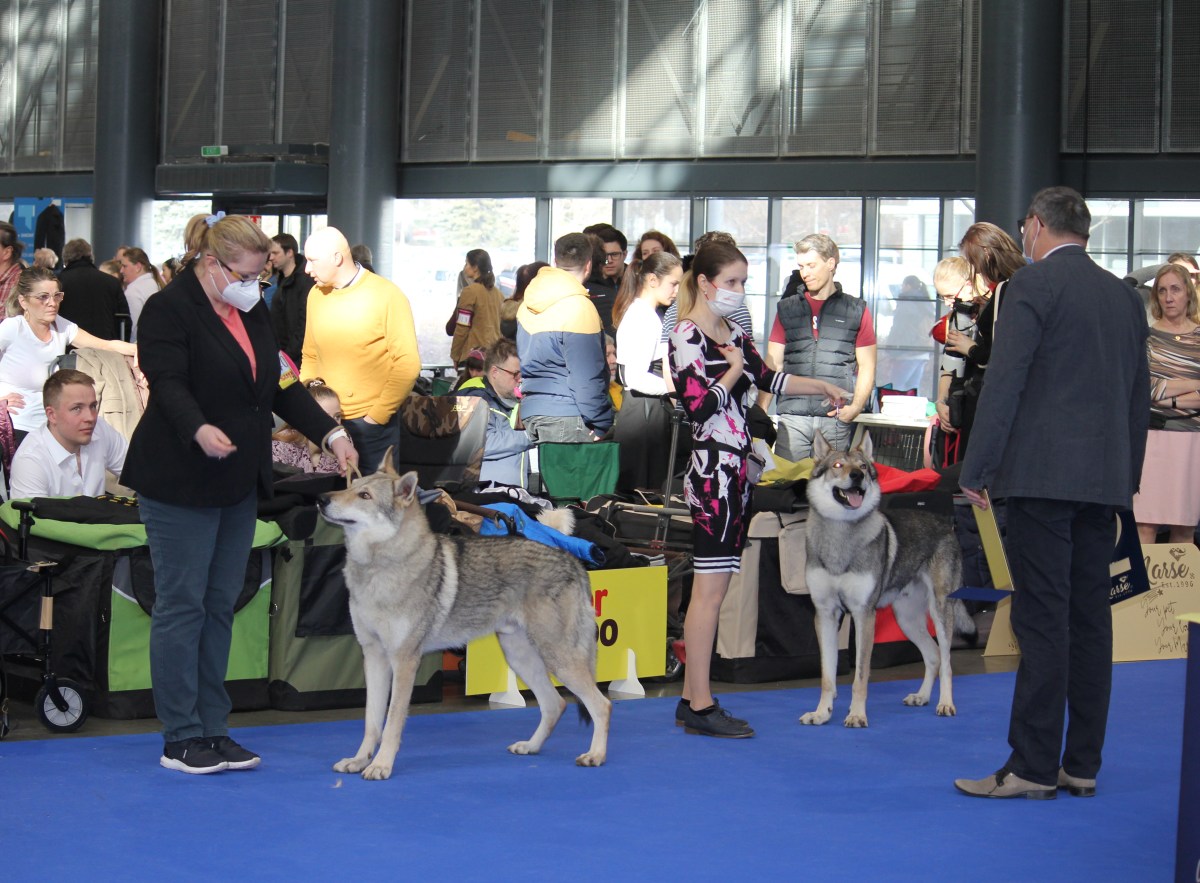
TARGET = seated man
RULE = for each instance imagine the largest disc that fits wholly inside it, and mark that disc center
(505, 457)
(68, 455)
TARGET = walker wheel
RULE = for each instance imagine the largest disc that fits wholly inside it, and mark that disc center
(674, 669)
(61, 720)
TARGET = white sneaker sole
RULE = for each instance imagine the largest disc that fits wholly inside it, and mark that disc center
(243, 764)
(172, 764)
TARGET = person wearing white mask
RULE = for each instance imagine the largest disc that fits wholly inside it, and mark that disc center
(199, 459)
(716, 370)
(821, 332)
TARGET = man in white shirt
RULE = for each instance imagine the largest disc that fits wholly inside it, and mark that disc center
(68, 456)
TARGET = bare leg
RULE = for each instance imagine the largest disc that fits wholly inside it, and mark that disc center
(1148, 534)
(699, 634)
(1181, 533)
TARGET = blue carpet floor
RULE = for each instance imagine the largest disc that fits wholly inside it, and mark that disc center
(831, 803)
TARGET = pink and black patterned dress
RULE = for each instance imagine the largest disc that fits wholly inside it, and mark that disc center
(716, 487)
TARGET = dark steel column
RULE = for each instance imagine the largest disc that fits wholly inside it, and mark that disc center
(126, 126)
(364, 137)
(1020, 97)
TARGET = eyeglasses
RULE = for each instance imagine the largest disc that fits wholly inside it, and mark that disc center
(44, 299)
(236, 275)
(611, 256)
(1021, 224)
(515, 375)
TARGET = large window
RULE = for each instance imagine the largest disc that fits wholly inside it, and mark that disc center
(1109, 242)
(746, 221)
(670, 216)
(1165, 227)
(906, 307)
(572, 215)
(433, 237)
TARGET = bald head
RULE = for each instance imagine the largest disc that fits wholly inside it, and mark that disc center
(328, 256)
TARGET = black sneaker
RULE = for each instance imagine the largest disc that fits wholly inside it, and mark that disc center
(718, 722)
(194, 756)
(235, 756)
(683, 707)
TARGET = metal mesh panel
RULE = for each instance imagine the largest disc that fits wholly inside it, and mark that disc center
(1183, 114)
(917, 94)
(970, 81)
(827, 82)
(437, 106)
(511, 38)
(660, 91)
(1118, 93)
(191, 77)
(248, 77)
(79, 111)
(8, 71)
(38, 66)
(307, 72)
(583, 52)
(742, 94)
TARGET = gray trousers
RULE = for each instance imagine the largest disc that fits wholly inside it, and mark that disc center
(795, 441)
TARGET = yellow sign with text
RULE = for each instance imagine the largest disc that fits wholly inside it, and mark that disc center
(631, 614)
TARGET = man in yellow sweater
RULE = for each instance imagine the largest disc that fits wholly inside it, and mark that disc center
(361, 340)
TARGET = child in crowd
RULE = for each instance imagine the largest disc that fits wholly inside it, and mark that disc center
(290, 448)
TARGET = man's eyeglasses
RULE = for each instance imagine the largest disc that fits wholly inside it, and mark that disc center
(44, 299)
(515, 375)
(1021, 225)
(613, 256)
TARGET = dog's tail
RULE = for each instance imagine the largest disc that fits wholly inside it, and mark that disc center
(963, 622)
(561, 520)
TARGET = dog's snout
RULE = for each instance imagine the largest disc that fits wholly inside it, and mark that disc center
(322, 501)
(856, 476)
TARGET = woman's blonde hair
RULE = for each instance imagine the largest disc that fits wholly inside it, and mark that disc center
(956, 271)
(227, 238)
(139, 258)
(710, 260)
(29, 277)
(1193, 303)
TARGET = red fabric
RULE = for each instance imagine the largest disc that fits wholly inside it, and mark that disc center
(897, 481)
(233, 321)
(887, 629)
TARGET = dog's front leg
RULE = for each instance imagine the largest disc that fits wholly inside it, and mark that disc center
(864, 631)
(404, 674)
(378, 674)
(827, 641)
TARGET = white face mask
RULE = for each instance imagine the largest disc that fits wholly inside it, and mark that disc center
(1028, 255)
(243, 295)
(724, 302)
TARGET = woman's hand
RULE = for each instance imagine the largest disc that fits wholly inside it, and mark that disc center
(957, 342)
(943, 412)
(214, 442)
(16, 401)
(733, 355)
(347, 457)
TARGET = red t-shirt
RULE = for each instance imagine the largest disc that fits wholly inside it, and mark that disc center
(866, 329)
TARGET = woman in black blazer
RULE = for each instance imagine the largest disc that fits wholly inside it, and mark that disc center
(199, 458)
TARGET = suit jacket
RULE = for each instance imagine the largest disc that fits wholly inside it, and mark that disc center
(199, 374)
(93, 299)
(1066, 404)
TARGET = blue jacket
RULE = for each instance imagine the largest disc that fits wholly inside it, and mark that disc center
(505, 457)
(564, 372)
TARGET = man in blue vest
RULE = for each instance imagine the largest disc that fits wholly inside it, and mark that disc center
(825, 333)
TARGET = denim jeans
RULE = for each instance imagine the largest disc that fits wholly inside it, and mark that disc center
(372, 440)
(200, 556)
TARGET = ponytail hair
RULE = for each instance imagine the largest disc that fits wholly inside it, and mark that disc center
(482, 261)
(659, 264)
(139, 258)
(227, 238)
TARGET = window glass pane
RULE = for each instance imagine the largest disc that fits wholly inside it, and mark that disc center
(1167, 226)
(1109, 241)
(572, 215)
(670, 216)
(840, 220)
(433, 237)
(961, 216)
(170, 219)
(905, 305)
(744, 219)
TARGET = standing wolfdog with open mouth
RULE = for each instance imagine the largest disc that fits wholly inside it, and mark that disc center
(413, 591)
(859, 559)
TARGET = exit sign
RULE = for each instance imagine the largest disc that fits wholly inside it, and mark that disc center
(211, 150)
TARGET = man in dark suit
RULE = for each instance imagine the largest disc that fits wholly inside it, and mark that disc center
(1060, 432)
(92, 300)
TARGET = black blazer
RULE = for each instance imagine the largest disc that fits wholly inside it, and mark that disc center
(199, 374)
(1065, 407)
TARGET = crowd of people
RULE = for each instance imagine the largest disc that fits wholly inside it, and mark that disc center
(603, 345)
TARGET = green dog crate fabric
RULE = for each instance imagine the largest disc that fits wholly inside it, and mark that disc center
(579, 471)
(315, 659)
(103, 597)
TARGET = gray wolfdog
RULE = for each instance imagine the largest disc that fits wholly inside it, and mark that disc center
(859, 559)
(412, 591)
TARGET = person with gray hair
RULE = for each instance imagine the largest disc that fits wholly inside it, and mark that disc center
(95, 301)
(1060, 431)
(825, 333)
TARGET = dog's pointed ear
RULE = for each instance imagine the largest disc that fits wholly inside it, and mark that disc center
(866, 446)
(406, 487)
(387, 464)
(820, 446)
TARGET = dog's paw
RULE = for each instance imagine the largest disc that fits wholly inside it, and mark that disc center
(856, 720)
(916, 699)
(946, 709)
(816, 718)
(377, 772)
(592, 758)
(522, 748)
(351, 764)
